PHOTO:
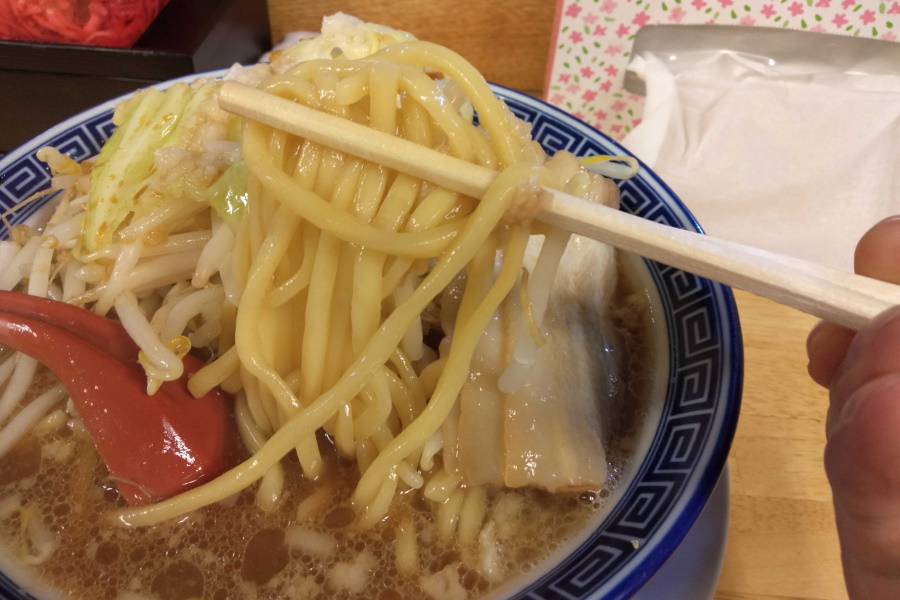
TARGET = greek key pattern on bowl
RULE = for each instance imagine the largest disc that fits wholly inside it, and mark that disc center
(26, 175)
(697, 400)
(688, 451)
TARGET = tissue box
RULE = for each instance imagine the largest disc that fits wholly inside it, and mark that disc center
(592, 43)
(774, 138)
(42, 84)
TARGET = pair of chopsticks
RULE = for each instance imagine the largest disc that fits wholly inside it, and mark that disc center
(831, 294)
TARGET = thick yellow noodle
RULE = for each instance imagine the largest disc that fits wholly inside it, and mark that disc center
(338, 260)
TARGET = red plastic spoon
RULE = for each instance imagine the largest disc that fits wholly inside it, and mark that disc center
(154, 446)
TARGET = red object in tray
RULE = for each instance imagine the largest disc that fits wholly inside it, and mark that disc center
(113, 23)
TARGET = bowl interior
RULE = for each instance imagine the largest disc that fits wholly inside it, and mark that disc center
(701, 397)
(684, 453)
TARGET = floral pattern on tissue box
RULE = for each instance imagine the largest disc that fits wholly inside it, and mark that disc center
(593, 38)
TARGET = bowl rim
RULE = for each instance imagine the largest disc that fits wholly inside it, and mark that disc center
(624, 584)
(709, 477)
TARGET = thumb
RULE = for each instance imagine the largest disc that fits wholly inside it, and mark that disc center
(861, 460)
(863, 449)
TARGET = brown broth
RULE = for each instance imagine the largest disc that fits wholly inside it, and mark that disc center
(232, 550)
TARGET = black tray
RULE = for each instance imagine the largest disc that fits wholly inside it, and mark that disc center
(43, 84)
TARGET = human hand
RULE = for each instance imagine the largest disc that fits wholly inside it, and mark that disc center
(862, 455)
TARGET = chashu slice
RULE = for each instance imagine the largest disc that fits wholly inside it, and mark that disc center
(553, 424)
(549, 432)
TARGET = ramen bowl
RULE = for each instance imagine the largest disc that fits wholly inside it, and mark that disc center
(690, 420)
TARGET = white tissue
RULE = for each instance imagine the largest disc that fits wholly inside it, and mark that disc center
(793, 158)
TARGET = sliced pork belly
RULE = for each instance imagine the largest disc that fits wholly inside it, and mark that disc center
(544, 427)
(553, 425)
(549, 432)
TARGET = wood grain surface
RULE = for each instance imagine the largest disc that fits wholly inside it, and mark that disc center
(782, 542)
(507, 40)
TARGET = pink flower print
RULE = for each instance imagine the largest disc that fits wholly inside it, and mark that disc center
(677, 14)
(576, 37)
(839, 20)
(589, 95)
(617, 128)
(618, 106)
(726, 3)
(823, 4)
(611, 70)
(578, 115)
(599, 30)
(796, 9)
(817, 29)
(641, 19)
(608, 6)
(634, 97)
(894, 9)
(564, 77)
(600, 115)
(747, 20)
(768, 11)
(573, 10)
(557, 98)
(612, 50)
(848, 3)
(622, 31)
(573, 89)
(591, 19)
(606, 85)
(587, 72)
(698, 4)
(635, 122)
(867, 17)
(889, 37)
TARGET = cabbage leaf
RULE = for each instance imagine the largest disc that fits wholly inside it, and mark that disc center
(123, 175)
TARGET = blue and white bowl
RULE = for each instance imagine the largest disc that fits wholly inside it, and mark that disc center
(692, 422)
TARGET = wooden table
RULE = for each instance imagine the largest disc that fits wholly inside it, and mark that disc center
(506, 39)
(782, 543)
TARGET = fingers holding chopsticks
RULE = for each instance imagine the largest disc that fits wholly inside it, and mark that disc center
(862, 371)
(877, 256)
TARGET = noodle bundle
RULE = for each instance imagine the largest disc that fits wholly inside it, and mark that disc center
(341, 264)
(344, 303)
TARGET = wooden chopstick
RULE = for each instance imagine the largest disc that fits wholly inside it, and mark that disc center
(828, 293)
